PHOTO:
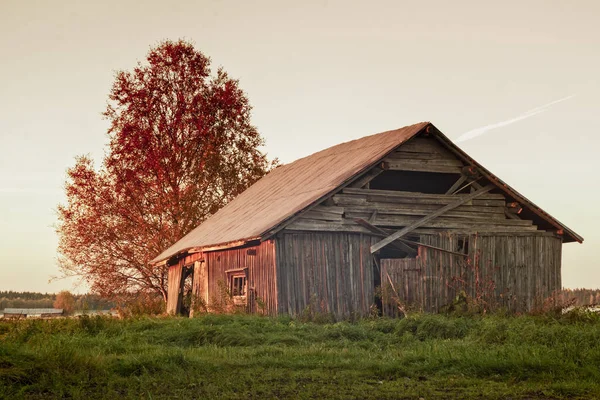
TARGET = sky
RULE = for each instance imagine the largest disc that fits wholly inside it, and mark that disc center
(317, 73)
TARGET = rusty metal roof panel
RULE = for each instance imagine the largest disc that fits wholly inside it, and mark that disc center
(289, 189)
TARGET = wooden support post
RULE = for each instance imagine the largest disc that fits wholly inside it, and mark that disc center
(422, 221)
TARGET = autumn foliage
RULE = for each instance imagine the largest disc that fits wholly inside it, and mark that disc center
(181, 145)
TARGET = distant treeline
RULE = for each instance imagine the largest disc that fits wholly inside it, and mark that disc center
(12, 299)
(581, 297)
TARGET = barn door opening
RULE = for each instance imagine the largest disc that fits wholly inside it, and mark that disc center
(185, 290)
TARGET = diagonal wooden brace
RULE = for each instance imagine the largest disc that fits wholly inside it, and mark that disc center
(401, 246)
(422, 221)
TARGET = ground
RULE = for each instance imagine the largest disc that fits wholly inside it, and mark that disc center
(249, 357)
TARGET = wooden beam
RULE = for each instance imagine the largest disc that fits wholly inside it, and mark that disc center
(402, 246)
(347, 200)
(456, 185)
(413, 226)
(403, 155)
(439, 222)
(441, 166)
(323, 226)
(424, 209)
(414, 195)
(366, 178)
(418, 211)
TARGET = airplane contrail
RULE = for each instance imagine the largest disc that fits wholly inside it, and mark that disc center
(483, 129)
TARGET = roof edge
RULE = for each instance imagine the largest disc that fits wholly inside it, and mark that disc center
(500, 184)
(204, 249)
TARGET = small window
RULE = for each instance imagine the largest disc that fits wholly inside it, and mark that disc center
(237, 284)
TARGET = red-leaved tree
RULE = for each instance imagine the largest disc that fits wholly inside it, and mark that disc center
(181, 146)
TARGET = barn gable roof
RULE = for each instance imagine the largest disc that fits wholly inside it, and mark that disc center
(284, 192)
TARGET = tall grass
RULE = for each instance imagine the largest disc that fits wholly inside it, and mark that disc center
(224, 356)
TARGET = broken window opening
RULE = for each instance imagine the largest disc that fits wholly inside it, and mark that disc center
(414, 181)
(238, 285)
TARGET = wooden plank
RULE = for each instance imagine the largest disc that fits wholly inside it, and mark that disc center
(488, 203)
(486, 231)
(414, 209)
(352, 211)
(322, 226)
(424, 145)
(421, 166)
(440, 222)
(423, 220)
(415, 155)
(329, 209)
(312, 225)
(420, 200)
(174, 283)
(320, 215)
(346, 199)
(423, 162)
(402, 246)
(413, 195)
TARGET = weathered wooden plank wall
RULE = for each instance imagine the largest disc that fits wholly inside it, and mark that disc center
(260, 261)
(331, 272)
(514, 272)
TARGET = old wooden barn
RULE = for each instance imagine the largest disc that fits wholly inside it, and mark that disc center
(405, 210)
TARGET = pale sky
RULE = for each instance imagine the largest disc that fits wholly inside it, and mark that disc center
(317, 73)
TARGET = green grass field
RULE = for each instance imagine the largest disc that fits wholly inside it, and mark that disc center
(247, 357)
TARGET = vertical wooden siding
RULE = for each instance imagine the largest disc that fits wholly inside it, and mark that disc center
(332, 272)
(260, 261)
(514, 272)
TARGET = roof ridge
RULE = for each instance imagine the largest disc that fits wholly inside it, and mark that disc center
(316, 153)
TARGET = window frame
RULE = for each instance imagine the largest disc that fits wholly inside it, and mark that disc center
(232, 275)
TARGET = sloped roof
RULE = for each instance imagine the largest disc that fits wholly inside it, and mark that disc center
(291, 188)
